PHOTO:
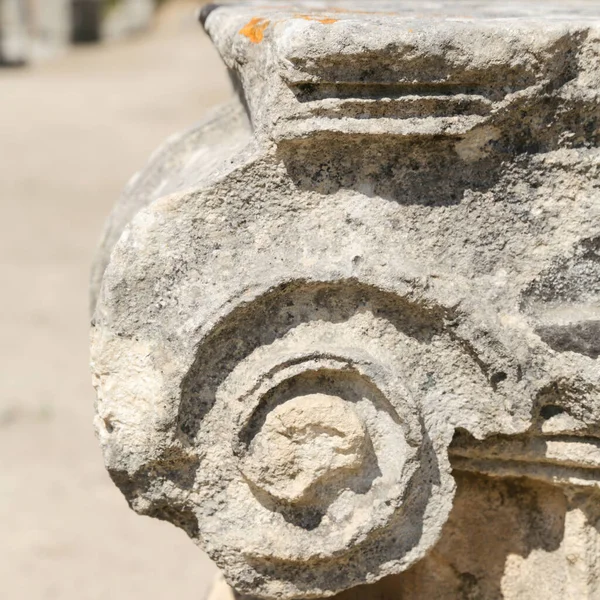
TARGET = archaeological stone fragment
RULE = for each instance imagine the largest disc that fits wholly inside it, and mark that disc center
(346, 328)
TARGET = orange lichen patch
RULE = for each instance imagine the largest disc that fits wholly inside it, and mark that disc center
(254, 30)
(323, 20)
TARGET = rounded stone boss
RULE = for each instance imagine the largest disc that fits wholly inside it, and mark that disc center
(301, 301)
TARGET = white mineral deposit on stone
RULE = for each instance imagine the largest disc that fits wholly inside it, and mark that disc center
(345, 330)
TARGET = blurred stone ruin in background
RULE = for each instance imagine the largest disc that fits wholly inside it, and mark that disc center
(34, 30)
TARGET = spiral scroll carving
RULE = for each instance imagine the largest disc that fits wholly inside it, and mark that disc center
(303, 439)
(301, 401)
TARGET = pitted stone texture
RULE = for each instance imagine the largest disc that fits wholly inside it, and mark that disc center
(546, 544)
(182, 161)
(401, 241)
(303, 441)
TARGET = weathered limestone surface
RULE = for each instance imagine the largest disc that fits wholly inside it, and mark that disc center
(346, 330)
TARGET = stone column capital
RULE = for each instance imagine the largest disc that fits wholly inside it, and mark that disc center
(379, 263)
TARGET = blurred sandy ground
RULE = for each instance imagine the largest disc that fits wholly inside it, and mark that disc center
(71, 133)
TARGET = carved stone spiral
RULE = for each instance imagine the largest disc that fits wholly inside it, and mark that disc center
(290, 405)
(323, 456)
